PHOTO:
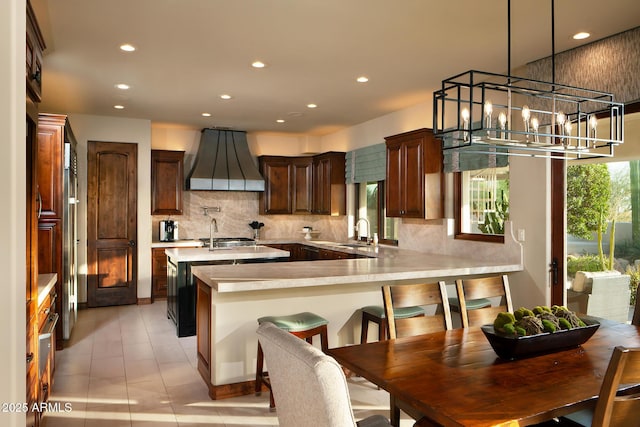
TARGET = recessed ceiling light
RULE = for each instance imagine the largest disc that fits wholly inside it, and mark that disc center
(581, 36)
(258, 64)
(127, 47)
(119, 107)
(122, 86)
(362, 79)
(312, 106)
(206, 114)
(225, 96)
(280, 121)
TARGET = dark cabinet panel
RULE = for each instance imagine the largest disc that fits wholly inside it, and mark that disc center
(304, 185)
(158, 273)
(34, 48)
(329, 188)
(276, 198)
(414, 176)
(167, 181)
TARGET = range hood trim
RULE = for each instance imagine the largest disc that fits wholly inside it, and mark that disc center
(224, 163)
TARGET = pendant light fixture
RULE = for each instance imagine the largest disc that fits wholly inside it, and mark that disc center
(479, 112)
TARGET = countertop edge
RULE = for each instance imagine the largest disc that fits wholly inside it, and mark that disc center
(46, 282)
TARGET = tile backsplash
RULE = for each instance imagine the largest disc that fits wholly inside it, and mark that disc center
(237, 210)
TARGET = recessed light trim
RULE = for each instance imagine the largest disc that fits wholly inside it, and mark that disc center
(581, 35)
(206, 114)
(123, 86)
(258, 64)
(312, 106)
(362, 79)
(119, 107)
(225, 96)
(127, 47)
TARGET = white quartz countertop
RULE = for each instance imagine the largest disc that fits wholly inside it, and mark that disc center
(224, 254)
(391, 264)
(46, 282)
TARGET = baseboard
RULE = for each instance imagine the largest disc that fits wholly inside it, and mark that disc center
(144, 301)
(82, 306)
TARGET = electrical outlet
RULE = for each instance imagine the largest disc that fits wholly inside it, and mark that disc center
(521, 234)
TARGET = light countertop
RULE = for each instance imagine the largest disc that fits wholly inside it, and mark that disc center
(391, 264)
(46, 282)
(223, 254)
(186, 243)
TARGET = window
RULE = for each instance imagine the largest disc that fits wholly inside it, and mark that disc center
(370, 205)
(482, 203)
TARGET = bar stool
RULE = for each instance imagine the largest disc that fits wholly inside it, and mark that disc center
(304, 325)
(375, 314)
(472, 304)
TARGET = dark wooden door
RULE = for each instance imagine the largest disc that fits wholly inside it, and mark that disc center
(557, 269)
(112, 223)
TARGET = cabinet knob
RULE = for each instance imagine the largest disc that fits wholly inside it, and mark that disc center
(132, 243)
(29, 358)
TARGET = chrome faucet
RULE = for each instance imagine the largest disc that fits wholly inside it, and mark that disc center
(360, 232)
(213, 227)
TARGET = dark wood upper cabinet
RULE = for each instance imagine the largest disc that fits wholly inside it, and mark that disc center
(167, 181)
(278, 185)
(414, 175)
(329, 188)
(35, 47)
(302, 172)
(304, 185)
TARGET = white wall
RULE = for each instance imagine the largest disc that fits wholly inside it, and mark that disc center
(12, 214)
(113, 129)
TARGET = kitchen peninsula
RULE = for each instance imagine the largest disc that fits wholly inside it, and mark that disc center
(231, 298)
(181, 293)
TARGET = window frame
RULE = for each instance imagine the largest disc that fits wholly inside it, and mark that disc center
(457, 209)
(381, 211)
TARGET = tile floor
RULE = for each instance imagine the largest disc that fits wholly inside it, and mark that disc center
(125, 366)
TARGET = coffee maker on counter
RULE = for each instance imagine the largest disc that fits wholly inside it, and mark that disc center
(168, 230)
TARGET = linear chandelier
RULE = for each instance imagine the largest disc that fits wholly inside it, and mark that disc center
(478, 112)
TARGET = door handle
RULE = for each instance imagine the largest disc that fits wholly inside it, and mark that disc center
(132, 243)
(554, 271)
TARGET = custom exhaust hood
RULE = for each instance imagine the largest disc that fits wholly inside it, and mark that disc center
(224, 163)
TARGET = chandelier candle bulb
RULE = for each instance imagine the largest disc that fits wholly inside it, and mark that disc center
(488, 110)
(593, 125)
(465, 125)
(502, 118)
(535, 125)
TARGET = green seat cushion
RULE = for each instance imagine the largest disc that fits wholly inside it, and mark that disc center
(472, 304)
(295, 322)
(400, 313)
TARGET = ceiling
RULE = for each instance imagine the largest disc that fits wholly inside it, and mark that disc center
(189, 52)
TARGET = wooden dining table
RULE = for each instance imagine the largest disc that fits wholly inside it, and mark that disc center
(456, 379)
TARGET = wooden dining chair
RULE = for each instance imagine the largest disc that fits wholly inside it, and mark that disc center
(614, 408)
(431, 296)
(495, 288)
(427, 294)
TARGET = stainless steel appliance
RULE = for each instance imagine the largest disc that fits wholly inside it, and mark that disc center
(226, 242)
(168, 230)
(69, 241)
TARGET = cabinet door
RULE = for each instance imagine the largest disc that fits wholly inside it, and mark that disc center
(413, 158)
(50, 169)
(159, 273)
(394, 186)
(276, 198)
(203, 327)
(329, 187)
(412, 188)
(167, 178)
(302, 171)
(34, 48)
